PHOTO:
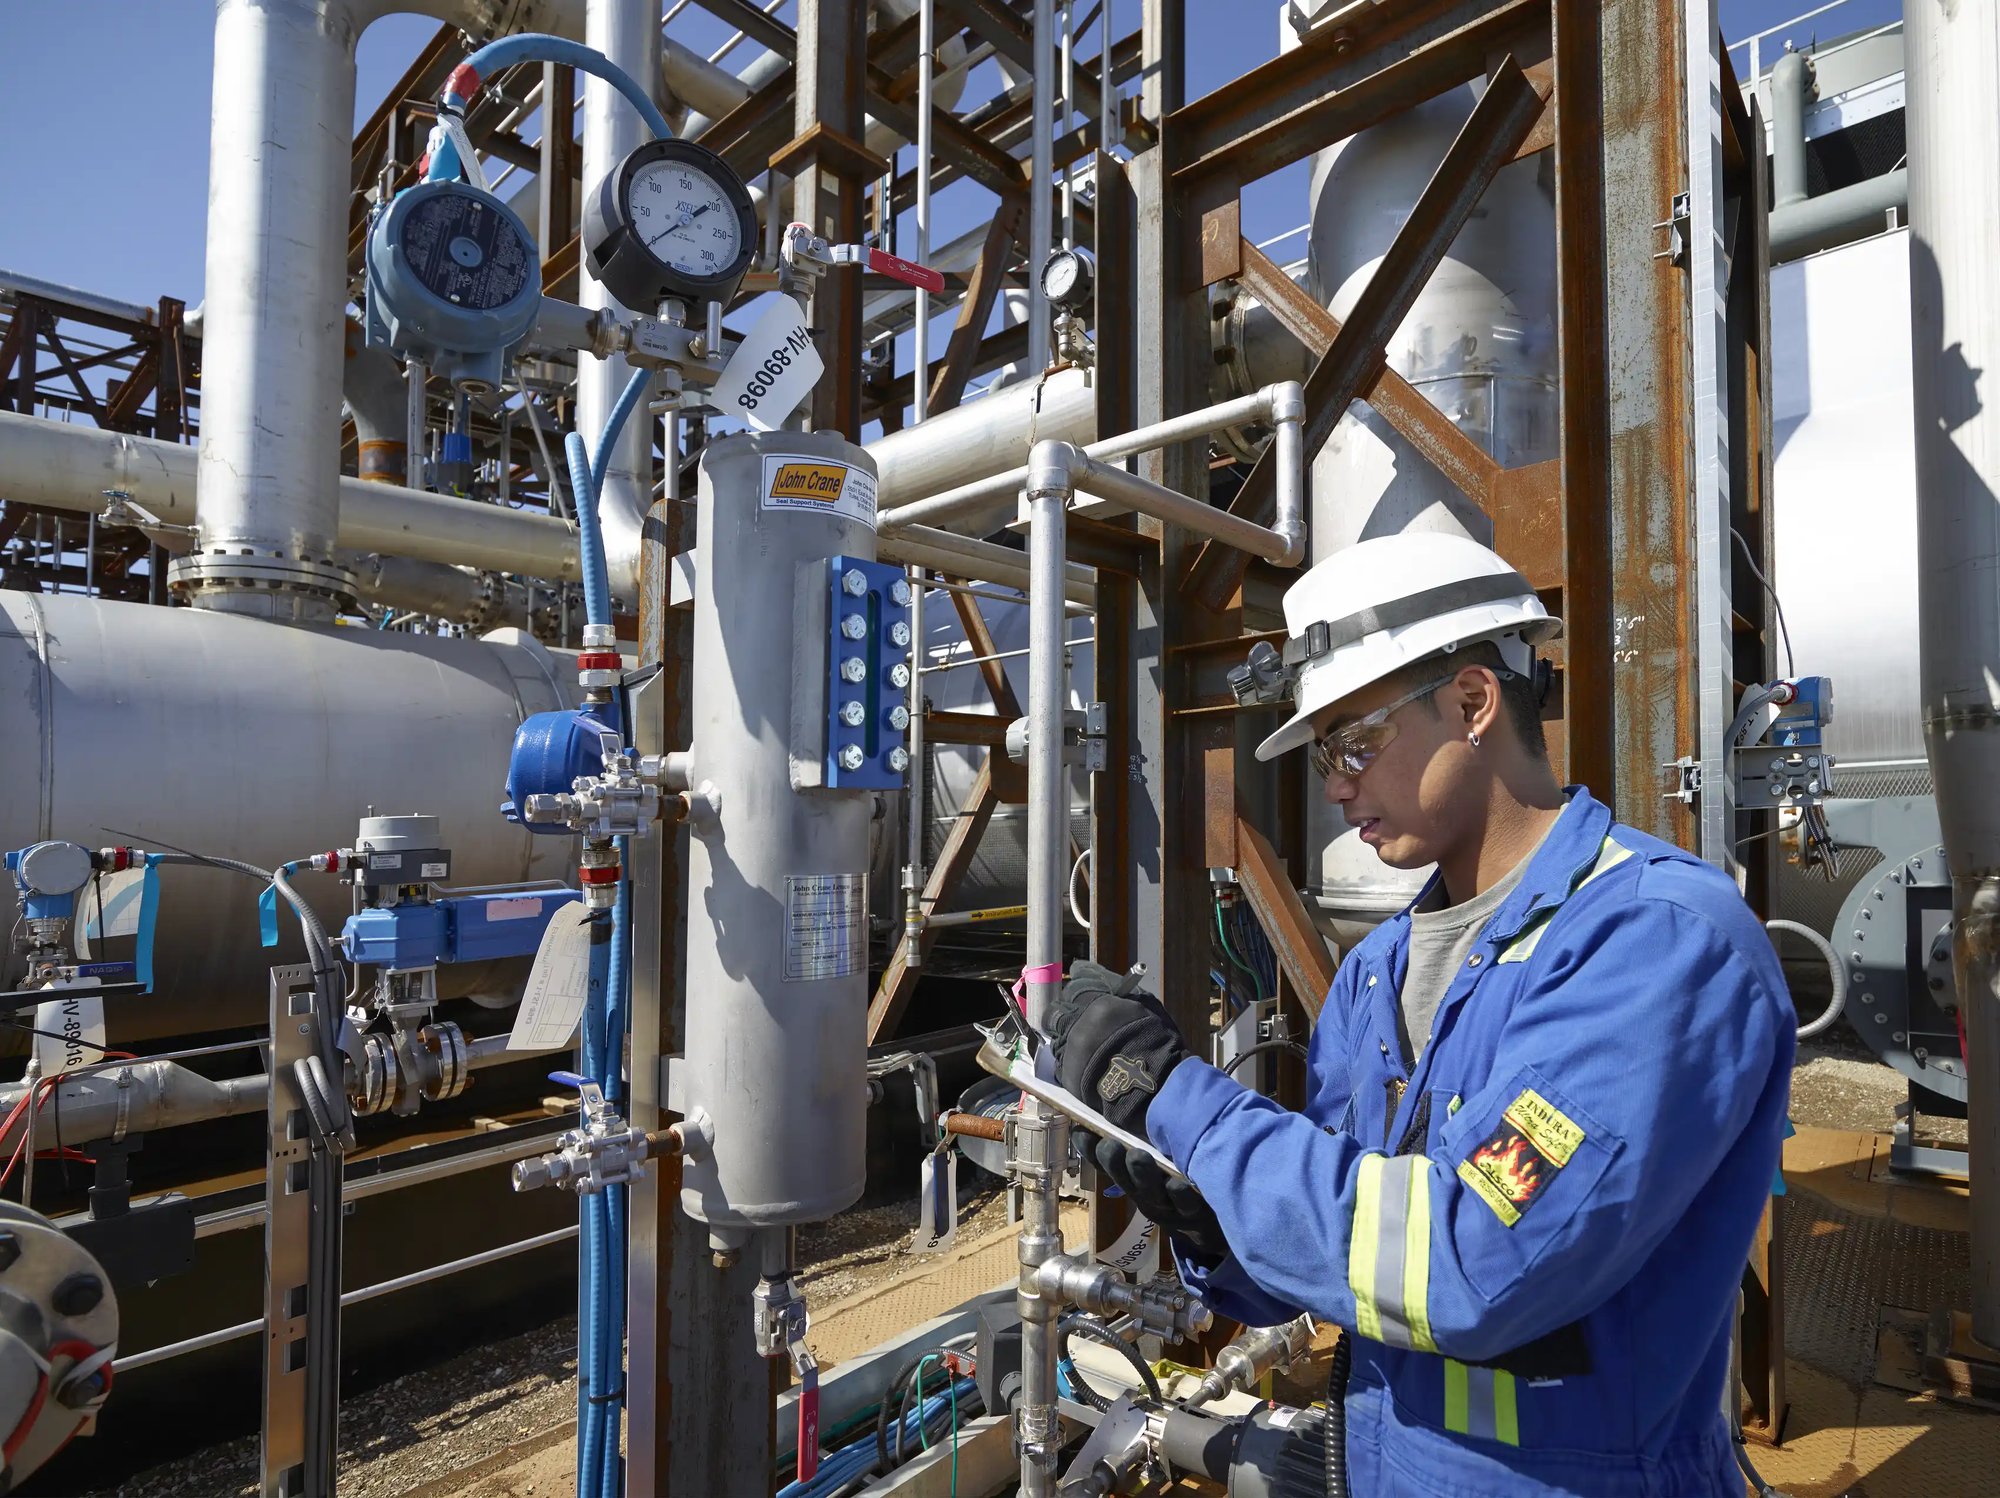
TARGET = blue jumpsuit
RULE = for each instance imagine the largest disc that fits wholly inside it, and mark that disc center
(1540, 1234)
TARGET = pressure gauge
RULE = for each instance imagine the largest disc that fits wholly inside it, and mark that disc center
(1067, 277)
(671, 220)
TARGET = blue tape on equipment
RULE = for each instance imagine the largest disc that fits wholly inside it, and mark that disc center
(149, 908)
(267, 915)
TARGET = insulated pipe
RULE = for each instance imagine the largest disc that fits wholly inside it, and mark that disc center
(378, 400)
(629, 35)
(1282, 404)
(983, 437)
(1953, 59)
(276, 288)
(1832, 218)
(1791, 82)
(475, 600)
(66, 467)
(1041, 174)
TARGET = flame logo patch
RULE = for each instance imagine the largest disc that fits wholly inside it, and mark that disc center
(1514, 1164)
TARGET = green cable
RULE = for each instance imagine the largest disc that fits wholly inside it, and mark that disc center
(923, 1425)
(954, 1437)
(1256, 982)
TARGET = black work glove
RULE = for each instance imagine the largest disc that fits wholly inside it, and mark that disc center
(1172, 1203)
(1112, 1050)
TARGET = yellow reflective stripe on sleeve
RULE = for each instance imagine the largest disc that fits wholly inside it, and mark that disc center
(1610, 854)
(1506, 1414)
(1389, 1254)
(1455, 1399)
(1417, 1257)
(1362, 1246)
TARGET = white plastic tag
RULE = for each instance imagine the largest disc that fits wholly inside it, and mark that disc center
(552, 1003)
(773, 369)
(69, 1028)
(937, 1204)
(110, 909)
(1137, 1251)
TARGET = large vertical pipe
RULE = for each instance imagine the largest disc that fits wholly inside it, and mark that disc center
(1953, 60)
(1041, 167)
(921, 355)
(629, 35)
(1039, 1136)
(1791, 80)
(276, 290)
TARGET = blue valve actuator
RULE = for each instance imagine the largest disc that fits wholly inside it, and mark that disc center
(551, 752)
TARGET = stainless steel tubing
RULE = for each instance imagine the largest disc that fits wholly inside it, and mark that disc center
(66, 467)
(629, 35)
(988, 561)
(251, 1214)
(352, 1297)
(915, 803)
(1039, 1150)
(1050, 485)
(1953, 59)
(1269, 404)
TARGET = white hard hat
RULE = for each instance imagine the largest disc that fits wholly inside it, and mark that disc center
(1381, 604)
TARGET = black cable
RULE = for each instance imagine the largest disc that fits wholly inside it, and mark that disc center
(88, 1045)
(1093, 1331)
(1334, 1431)
(893, 1395)
(1261, 1047)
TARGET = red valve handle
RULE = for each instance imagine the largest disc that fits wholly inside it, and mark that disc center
(808, 1463)
(907, 271)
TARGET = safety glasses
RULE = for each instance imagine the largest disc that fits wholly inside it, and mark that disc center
(1353, 747)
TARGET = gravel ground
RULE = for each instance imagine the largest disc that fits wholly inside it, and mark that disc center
(1838, 1084)
(416, 1431)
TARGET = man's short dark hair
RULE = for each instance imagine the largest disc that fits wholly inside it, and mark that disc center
(1518, 693)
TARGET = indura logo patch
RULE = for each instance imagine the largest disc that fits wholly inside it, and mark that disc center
(1124, 1074)
(1513, 1165)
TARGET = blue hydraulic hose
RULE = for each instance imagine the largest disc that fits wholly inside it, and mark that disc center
(537, 46)
(617, 1018)
(591, 1248)
(585, 480)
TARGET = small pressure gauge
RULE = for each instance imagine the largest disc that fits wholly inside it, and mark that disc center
(1067, 278)
(671, 220)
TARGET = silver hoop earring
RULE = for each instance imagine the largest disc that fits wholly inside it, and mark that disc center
(1472, 739)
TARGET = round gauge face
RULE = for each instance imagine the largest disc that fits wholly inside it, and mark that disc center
(1060, 276)
(684, 218)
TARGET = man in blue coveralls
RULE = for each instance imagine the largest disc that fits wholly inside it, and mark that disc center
(1544, 1103)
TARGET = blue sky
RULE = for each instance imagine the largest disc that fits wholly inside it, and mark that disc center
(107, 104)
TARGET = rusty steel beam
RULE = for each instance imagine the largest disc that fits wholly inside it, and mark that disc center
(1300, 949)
(756, 24)
(1584, 436)
(1468, 465)
(1649, 546)
(899, 978)
(943, 727)
(975, 309)
(1486, 143)
(1320, 93)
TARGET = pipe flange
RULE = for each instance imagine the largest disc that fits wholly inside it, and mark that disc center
(1895, 932)
(446, 1043)
(268, 584)
(374, 1075)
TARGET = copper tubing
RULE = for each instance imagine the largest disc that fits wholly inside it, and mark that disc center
(973, 1126)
